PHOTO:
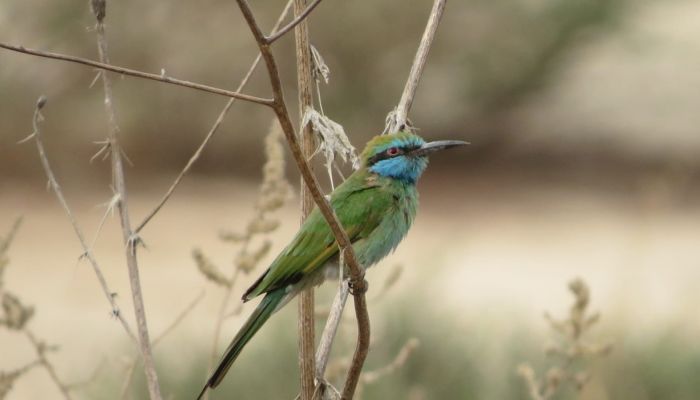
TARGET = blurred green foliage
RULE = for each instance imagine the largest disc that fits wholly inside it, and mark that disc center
(450, 363)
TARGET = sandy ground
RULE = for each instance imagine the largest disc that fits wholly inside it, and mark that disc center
(489, 252)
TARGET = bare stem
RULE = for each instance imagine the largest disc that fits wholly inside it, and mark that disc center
(300, 15)
(130, 240)
(306, 297)
(41, 349)
(212, 131)
(139, 74)
(398, 119)
(87, 251)
(323, 351)
(356, 273)
(129, 376)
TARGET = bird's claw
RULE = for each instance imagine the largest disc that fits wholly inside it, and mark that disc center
(358, 287)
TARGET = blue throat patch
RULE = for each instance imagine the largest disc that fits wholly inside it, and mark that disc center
(403, 168)
(406, 169)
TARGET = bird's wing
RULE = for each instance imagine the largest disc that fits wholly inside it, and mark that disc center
(360, 209)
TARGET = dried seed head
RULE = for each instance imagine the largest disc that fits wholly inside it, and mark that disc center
(247, 261)
(209, 270)
(274, 189)
(16, 315)
(99, 9)
(230, 236)
(260, 225)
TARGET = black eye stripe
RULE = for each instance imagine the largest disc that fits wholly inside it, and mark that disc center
(384, 154)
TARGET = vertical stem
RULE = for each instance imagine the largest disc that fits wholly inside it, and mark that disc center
(306, 297)
(119, 183)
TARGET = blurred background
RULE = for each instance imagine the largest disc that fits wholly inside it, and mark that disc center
(584, 162)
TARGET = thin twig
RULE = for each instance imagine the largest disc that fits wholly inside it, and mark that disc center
(299, 17)
(41, 349)
(129, 375)
(87, 251)
(356, 273)
(398, 119)
(214, 129)
(130, 240)
(139, 74)
(179, 318)
(331, 329)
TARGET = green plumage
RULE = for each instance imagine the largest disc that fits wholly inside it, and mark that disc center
(375, 205)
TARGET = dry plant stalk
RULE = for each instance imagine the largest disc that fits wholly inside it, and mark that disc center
(278, 105)
(15, 317)
(87, 250)
(571, 350)
(274, 191)
(397, 120)
(131, 239)
(132, 363)
(305, 322)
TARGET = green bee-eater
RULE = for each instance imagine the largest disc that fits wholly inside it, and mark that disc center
(376, 205)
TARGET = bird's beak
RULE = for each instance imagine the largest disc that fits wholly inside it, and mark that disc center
(431, 147)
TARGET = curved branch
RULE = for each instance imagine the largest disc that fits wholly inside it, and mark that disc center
(356, 273)
(273, 37)
(139, 74)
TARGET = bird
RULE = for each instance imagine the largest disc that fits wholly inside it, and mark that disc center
(376, 206)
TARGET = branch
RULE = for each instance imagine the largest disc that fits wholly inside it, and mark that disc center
(178, 319)
(323, 351)
(306, 297)
(212, 131)
(130, 239)
(298, 19)
(87, 251)
(397, 120)
(41, 349)
(139, 74)
(356, 273)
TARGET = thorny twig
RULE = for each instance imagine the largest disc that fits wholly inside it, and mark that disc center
(356, 273)
(397, 120)
(131, 240)
(138, 74)
(87, 251)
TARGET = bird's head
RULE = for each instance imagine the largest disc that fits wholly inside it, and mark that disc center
(402, 155)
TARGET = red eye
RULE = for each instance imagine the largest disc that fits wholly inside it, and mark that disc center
(392, 151)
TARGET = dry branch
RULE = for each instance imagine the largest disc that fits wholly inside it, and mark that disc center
(87, 251)
(138, 74)
(357, 281)
(397, 120)
(212, 131)
(119, 183)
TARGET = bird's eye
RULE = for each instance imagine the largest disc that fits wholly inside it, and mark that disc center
(392, 151)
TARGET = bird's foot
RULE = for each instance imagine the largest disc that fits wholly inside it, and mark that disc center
(358, 287)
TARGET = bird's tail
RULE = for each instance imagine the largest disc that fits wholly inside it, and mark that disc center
(261, 314)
